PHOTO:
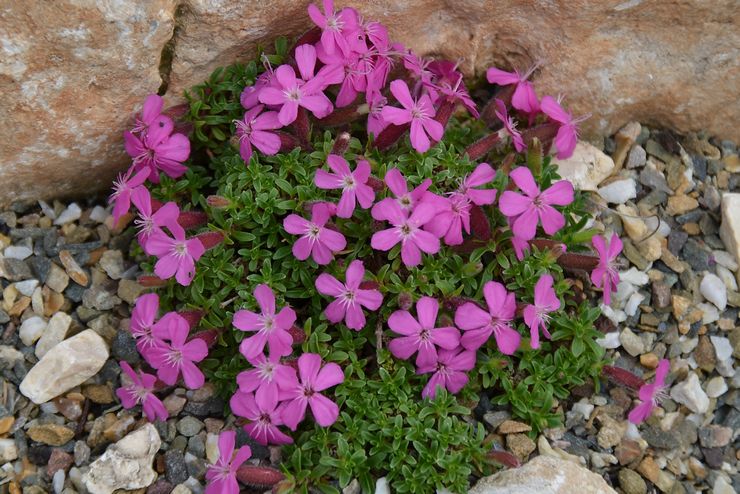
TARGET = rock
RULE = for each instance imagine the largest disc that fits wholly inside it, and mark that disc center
(689, 393)
(721, 486)
(68, 364)
(716, 387)
(730, 229)
(381, 486)
(31, 330)
(705, 355)
(611, 432)
(715, 436)
(722, 347)
(98, 393)
(627, 451)
(112, 263)
(624, 140)
(8, 450)
(513, 427)
(57, 279)
(19, 252)
(73, 269)
(126, 464)
(619, 191)
(59, 460)
(54, 334)
(586, 168)
(72, 213)
(520, 445)
(543, 475)
(631, 482)
(14, 269)
(632, 343)
(189, 426)
(9, 356)
(714, 290)
(27, 287)
(99, 298)
(681, 204)
(51, 434)
(175, 468)
(637, 157)
(129, 290)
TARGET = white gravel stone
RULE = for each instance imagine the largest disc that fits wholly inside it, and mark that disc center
(17, 252)
(632, 343)
(31, 330)
(689, 393)
(212, 453)
(727, 277)
(722, 347)
(688, 344)
(615, 316)
(8, 450)
(72, 213)
(716, 387)
(710, 313)
(54, 334)
(57, 481)
(714, 290)
(609, 340)
(381, 486)
(587, 167)
(729, 231)
(584, 408)
(99, 214)
(634, 276)
(48, 210)
(721, 486)
(725, 259)
(27, 287)
(619, 191)
(633, 303)
(623, 293)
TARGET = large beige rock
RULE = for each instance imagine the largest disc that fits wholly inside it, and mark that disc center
(587, 167)
(544, 475)
(64, 366)
(72, 70)
(730, 229)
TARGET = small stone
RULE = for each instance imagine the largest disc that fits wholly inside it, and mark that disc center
(101, 394)
(714, 290)
(9, 356)
(51, 434)
(722, 347)
(5, 424)
(14, 269)
(631, 482)
(649, 360)
(653, 178)
(82, 453)
(59, 460)
(689, 393)
(715, 436)
(54, 334)
(619, 191)
(716, 387)
(624, 139)
(126, 464)
(73, 269)
(587, 167)
(19, 252)
(57, 279)
(727, 277)
(513, 427)
(112, 263)
(175, 468)
(632, 343)
(27, 287)
(681, 204)
(123, 347)
(129, 291)
(8, 450)
(31, 330)
(628, 451)
(66, 365)
(212, 453)
(611, 432)
(189, 426)
(633, 225)
(636, 158)
(174, 404)
(99, 298)
(520, 445)
(72, 213)
(729, 232)
(721, 486)
(98, 214)
(705, 355)
(115, 431)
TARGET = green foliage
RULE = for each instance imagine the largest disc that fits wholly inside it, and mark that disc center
(385, 427)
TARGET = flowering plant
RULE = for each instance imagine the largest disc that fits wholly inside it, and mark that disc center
(316, 262)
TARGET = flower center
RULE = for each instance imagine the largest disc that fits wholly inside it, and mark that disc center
(293, 94)
(333, 23)
(417, 113)
(145, 224)
(308, 391)
(313, 231)
(405, 201)
(180, 249)
(243, 129)
(223, 470)
(425, 335)
(348, 297)
(349, 182)
(266, 371)
(174, 357)
(405, 230)
(268, 323)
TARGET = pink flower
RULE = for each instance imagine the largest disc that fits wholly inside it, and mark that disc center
(177, 256)
(142, 320)
(479, 324)
(537, 315)
(251, 130)
(651, 394)
(351, 71)
(375, 123)
(520, 246)
(524, 97)
(151, 110)
(454, 213)
(510, 126)
(147, 222)
(268, 376)
(291, 92)
(316, 240)
(272, 329)
(567, 136)
(123, 188)
(335, 25)
(158, 149)
(350, 298)
(450, 371)
(405, 199)
(449, 82)
(140, 392)
(265, 417)
(222, 474)
(534, 206)
(421, 336)
(313, 378)
(353, 184)
(407, 230)
(178, 356)
(250, 94)
(605, 275)
(420, 113)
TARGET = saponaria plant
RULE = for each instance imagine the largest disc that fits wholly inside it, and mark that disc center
(308, 258)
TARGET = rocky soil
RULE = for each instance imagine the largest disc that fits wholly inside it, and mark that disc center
(68, 283)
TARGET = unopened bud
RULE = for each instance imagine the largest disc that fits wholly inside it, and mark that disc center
(193, 317)
(218, 202)
(376, 184)
(192, 219)
(341, 144)
(405, 301)
(150, 281)
(369, 285)
(534, 156)
(210, 239)
(209, 336)
(472, 268)
(298, 335)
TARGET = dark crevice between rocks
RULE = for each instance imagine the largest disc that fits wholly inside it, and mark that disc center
(168, 51)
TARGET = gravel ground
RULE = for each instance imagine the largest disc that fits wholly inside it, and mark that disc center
(67, 286)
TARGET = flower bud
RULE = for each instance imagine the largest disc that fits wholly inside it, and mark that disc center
(375, 183)
(193, 317)
(341, 144)
(192, 219)
(472, 268)
(150, 281)
(534, 156)
(298, 335)
(218, 202)
(210, 239)
(405, 301)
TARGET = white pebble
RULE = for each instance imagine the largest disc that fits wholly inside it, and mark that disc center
(688, 344)
(619, 191)
(725, 259)
(634, 302)
(72, 213)
(631, 343)
(17, 252)
(689, 393)
(31, 330)
(615, 316)
(609, 341)
(381, 486)
(722, 347)
(624, 291)
(58, 481)
(710, 313)
(48, 210)
(634, 276)
(714, 290)
(99, 214)
(721, 486)
(584, 408)
(716, 387)
(660, 227)
(727, 277)
(27, 287)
